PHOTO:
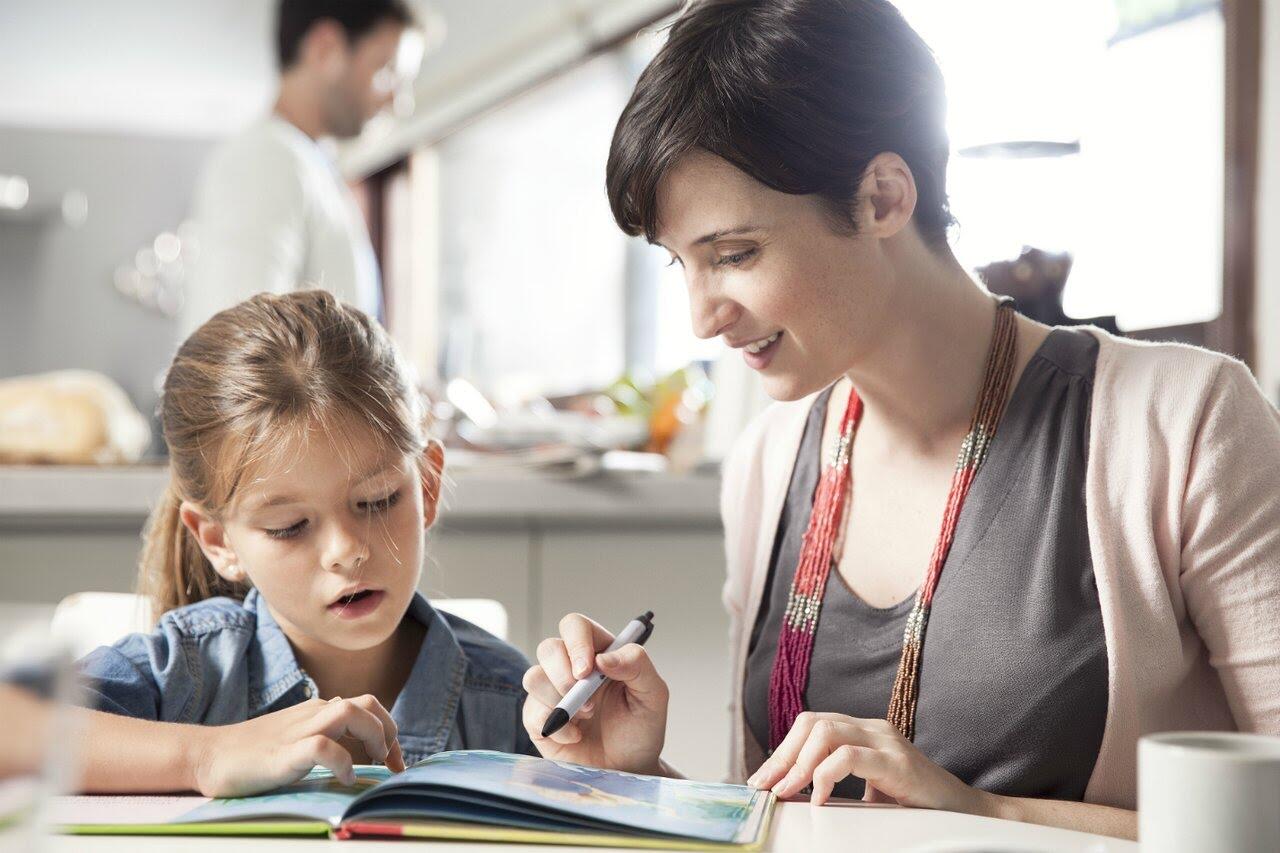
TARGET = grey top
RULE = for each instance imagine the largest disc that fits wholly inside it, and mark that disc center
(1013, 684)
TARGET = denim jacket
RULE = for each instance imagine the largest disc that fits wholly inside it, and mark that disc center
(223, 661)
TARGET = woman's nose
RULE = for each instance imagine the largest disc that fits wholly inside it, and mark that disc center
(710, 311)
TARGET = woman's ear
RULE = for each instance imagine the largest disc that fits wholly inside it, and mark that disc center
(211, 536)
(431, 467)
(886, 196)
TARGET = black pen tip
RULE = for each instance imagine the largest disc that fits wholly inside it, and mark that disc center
(555, 722)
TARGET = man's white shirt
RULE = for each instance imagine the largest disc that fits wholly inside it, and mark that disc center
(273, 213)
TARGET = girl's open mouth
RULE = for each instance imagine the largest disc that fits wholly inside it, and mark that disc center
(358, 604)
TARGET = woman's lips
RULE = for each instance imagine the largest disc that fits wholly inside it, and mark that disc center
(359, 605)
(760, 360)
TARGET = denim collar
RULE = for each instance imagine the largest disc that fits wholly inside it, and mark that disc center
(425, 710)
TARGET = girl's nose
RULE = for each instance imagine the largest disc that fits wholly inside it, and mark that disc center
(348, 548)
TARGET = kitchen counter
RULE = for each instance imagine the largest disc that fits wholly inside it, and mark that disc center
(40, 496)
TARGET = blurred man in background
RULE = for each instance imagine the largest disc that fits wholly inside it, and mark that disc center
(273, 212)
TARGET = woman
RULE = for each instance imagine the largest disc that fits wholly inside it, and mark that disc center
(971, 558)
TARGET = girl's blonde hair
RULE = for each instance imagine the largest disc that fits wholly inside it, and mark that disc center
(250, 376)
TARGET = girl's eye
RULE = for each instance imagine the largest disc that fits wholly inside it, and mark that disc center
(736, 259)
(381, 504)
(287, 532)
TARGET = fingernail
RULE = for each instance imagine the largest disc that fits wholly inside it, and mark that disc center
(607, 660)
(580, 666)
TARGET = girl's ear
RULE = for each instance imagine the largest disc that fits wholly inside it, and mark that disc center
(431, 467)
(211, 536)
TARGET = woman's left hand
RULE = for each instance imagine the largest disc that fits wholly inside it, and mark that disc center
(825, 748)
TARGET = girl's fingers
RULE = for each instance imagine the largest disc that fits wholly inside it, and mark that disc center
(321, 750)
(347, 718)
(389, 728)
(395, 758)
(554, 659)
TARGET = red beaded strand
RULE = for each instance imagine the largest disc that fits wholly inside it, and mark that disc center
(790, 675)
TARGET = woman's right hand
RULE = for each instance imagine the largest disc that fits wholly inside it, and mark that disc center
(624, 725)
(275, 749)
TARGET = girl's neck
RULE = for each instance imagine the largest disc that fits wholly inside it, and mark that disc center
(381, 671)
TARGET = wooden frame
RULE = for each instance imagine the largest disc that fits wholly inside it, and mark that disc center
(1232, 332)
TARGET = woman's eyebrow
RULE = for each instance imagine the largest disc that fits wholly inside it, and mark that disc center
(727, 232)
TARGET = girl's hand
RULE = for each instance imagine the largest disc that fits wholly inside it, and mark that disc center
(276, 749)
(625, 723)
(825, 748)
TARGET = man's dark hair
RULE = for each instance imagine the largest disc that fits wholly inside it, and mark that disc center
(799, 94)
(356, 17)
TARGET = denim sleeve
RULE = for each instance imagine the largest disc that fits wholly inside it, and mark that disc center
(524, 745)
(148, 676)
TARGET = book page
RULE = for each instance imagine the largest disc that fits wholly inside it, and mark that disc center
(114, 810)
(500, 788)
(318, 797)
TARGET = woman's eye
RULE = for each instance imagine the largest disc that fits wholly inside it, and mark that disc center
(674, 260)
(286, 532)
(381, 504)
(735, 259)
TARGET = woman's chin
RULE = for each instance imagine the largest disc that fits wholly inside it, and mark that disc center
(786, 388)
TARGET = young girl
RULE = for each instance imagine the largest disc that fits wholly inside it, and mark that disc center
(285, 557)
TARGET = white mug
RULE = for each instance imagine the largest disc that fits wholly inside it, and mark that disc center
(1209, 791)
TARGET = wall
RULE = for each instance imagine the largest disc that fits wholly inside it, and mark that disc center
(58, 305)
(1268, 301)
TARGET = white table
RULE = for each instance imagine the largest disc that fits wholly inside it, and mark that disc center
(844, 827)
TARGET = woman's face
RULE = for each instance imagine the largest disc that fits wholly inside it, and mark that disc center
(769, 273)
(331, 533)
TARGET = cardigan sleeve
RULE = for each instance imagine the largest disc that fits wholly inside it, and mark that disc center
(1230, 548)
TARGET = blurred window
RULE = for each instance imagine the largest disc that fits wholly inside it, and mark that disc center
(535, 290)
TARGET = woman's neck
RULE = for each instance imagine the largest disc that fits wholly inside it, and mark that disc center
(381, 671)
(920, 384)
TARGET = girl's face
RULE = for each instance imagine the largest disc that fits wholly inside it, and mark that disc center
(331, 533)
(768, 272)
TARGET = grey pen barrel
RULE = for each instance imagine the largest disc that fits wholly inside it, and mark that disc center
(638, 630)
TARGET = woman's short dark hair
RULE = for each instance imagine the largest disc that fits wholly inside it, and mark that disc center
(798, 94)
(295, 18)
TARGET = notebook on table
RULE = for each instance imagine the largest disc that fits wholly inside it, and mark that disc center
(471, 795)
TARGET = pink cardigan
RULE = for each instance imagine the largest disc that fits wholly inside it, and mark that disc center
(1183, 504)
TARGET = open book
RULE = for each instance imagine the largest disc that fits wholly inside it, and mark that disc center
(467, 794)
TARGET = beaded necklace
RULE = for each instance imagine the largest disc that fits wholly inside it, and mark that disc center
(790, 675)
